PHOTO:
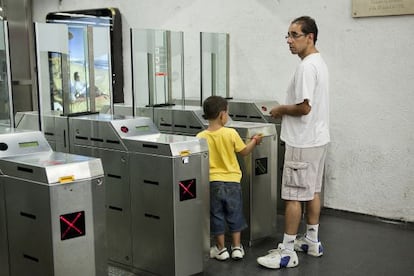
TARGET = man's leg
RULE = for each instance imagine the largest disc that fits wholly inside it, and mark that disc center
(310, 242)
(293, 216)
(313, 210)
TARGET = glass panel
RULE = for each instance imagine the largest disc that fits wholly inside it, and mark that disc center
(157, 60)
(214, 65)
(52, 68)
(102, 69)
(56, 81)
(177, 67)
(78, 69)
(6, 113)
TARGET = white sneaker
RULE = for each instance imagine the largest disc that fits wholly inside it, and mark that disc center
(221, 255)
(308, 246)
(278, 258)
(237, 252)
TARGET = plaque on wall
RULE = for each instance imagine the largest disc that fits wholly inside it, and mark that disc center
(365, 8)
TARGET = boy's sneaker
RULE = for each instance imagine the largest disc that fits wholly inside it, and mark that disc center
(221, 255)
(278, 258)
(237, 252)
(308, 246)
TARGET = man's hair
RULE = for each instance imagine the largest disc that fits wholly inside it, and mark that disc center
(212, 107)
(308, 26)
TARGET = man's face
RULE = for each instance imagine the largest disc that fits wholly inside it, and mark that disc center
(298, 41)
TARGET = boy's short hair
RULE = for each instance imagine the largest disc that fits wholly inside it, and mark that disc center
(212, 107)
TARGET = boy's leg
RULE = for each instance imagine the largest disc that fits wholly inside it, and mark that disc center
(220, 241)
(235, 239)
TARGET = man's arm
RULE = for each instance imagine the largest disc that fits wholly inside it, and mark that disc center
(292, 109)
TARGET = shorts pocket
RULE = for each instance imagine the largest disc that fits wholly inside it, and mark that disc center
(295, 174)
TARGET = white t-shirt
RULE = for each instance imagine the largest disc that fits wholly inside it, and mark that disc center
(311, 82)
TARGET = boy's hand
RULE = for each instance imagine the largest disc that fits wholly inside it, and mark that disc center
(257, 138)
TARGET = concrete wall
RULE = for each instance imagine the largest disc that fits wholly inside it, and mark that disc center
(371, 157)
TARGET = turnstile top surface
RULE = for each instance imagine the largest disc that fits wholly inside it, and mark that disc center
(178, 145)
(20, 142)
(51, 167)
(124, 126)
(249, 129)
(102, 117)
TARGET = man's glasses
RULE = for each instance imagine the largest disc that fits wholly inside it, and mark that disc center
(294, 35)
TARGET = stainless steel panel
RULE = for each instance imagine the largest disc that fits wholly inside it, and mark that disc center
(4, 246)
(252, 111)
(92, 131)
(29, 227)
(169, 235)
(178, 119)
(117, 198)
(56, 131)
(33, 215)
(123, 109)
(28, 120)
(259, 190)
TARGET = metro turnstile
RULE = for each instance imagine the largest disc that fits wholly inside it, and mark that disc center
(259, 169)
(258, 111)
(54, 208)
(170, 203)
(157, 200)
(95, 136)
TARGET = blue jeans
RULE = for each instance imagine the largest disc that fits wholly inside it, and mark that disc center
(226, 206)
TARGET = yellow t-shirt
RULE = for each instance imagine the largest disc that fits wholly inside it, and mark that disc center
(223, 145)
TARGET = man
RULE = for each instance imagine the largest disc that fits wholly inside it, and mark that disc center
(305, 130)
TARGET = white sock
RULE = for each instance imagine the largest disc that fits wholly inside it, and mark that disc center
(289, 241)
(312, 232)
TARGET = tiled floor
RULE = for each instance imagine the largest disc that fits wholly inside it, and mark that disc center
(353, 245)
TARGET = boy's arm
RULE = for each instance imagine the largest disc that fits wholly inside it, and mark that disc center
(251, 145)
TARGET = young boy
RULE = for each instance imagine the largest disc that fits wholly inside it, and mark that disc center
(225, 175)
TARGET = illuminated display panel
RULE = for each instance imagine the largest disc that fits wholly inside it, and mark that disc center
(30, 144)
(142, 128)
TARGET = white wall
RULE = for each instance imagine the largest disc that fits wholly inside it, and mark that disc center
(370, 166)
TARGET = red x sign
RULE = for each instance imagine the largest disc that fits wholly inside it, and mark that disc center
(72, 225)
(187, 189)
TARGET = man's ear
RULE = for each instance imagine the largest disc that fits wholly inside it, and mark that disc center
(311, 36)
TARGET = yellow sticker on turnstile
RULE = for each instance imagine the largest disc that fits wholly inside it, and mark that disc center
(66, 179)
(185, 152)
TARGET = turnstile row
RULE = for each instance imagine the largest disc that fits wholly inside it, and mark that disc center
(156, 189)
(106, 136)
